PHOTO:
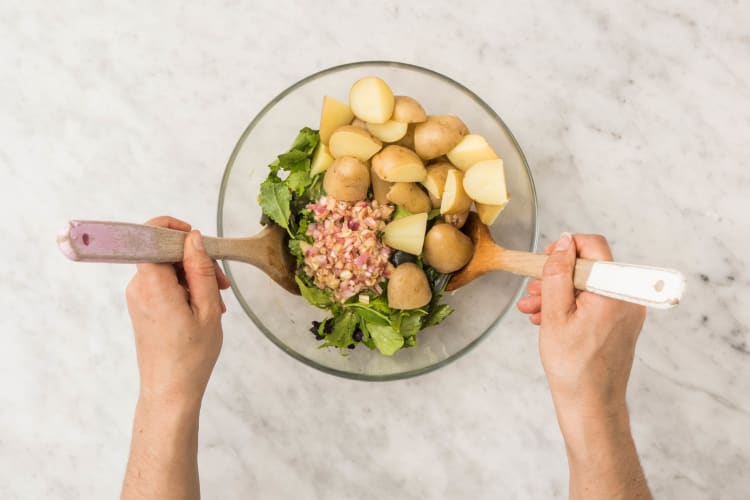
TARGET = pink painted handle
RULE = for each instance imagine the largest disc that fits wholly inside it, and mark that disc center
(115, 242)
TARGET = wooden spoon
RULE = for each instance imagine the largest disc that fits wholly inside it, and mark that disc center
(117, 242)
(649, 286)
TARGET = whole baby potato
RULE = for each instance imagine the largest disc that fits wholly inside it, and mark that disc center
(347, 179)
(408, 287)
(438, 135)
(446, 248)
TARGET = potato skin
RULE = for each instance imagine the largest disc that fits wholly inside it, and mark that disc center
(380, 188)
(446, 248)
(398, 164)
(408, 287)
(409, 196)
(347, 179)
(408, 110)
(456, 220)
(438, 135)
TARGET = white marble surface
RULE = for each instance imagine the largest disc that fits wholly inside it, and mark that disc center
(634, 118)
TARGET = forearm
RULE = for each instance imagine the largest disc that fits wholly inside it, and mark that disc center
(163, 459)
(602, 456)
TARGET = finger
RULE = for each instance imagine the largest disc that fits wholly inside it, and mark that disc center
(534, 287)
(558, 293)
(536, 319)
(593, 246)
(169, 223)
(530, 305)
(200, 275)
(548, 248)
(160, 272)
(221, 278)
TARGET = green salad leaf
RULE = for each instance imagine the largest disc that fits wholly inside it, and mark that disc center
(314, 295)
(386, 339)
(274, 199)
(344, 326)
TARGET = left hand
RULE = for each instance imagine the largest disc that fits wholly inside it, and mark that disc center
(176, 313)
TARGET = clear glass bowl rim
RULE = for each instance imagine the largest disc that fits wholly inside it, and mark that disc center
(220, 228)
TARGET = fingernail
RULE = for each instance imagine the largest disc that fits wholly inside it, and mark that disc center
(563, 244)
(197, 240)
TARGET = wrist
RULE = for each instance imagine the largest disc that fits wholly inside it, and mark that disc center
(590, 430)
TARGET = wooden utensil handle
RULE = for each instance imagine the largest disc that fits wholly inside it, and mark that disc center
(649, 286)
(118, 242)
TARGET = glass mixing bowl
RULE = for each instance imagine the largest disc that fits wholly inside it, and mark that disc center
(284, 318)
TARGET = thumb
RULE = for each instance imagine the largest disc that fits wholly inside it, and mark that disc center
(200, 275)
(558, 293)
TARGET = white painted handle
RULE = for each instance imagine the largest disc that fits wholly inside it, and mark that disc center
(648, 286)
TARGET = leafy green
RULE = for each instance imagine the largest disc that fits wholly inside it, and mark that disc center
(436, 315)
(344, 326)
(435, 212)
(314, 295)
(274, 199)
(400, 213)
(387, 340)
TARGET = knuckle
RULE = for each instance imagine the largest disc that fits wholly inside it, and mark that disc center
(557, 267)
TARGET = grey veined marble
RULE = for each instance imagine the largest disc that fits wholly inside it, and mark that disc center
(634, 116)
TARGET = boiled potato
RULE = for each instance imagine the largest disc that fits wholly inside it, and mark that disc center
(347, 179)
(455, 200)
(409, 196)
(408, 287)
(321, 160)
(407, 110)
(333, 115)
(371, 100)
(485, 182)
(435, 201)
(488, 213)
(407, 233)
(398, 164)
(434, 181)
(472, 149)
(380, 188)
(446, 248)
(456, 220)
(390, 131)
(353, 141)
(407, 140)
(438, 135)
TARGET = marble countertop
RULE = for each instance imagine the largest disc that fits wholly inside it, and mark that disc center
(634, 118)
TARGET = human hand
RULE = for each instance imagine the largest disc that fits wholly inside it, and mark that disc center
(586, 341)
(176, 313)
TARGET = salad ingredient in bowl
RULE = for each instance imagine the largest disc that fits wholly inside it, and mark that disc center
(373, 204)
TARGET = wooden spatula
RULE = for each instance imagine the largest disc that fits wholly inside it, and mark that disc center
(117, 242)
(649, 286)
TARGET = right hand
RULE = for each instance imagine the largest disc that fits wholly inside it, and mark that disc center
(586, 341)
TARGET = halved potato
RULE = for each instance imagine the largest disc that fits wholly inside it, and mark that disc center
(398, 164)
(380, 188)
(434, 181)
(438, 135)
(488, 213)
(485, 182)
(446, 248)
(353, 141)
(407, 140)
(472, 149)
(455, 200)
(371, 100)
(408, 287)
(456, 220)
(407, 110)
(321, 160)
(409, 196)
(348, 179)
(333, 115)
(406, 234)
(390, 131)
